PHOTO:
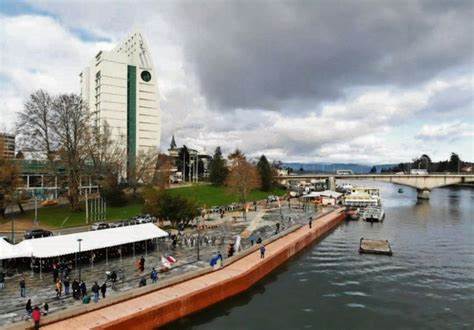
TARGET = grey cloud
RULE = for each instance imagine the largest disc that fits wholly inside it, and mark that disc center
(267, 54)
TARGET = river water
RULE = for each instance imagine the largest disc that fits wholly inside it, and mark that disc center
(428, 283)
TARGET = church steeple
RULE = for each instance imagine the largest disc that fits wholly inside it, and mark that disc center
(173, 143)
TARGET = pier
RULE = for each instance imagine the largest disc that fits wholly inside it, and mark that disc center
(151, 307)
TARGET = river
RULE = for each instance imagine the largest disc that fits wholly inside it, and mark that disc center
(428, 283)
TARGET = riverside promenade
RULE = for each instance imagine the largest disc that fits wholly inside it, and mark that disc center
(148, 307)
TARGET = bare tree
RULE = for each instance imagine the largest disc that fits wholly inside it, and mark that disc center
(242, 179)
(71, 128)
(9, 182)
(107, 155)
(34, 126)
(162, 172)
(144, 170)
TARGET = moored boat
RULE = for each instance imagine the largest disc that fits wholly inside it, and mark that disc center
(373, 214)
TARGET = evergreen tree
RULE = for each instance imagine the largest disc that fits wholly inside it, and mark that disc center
(373, 169)
(266, 173)
(454, 163)
(182, 162)
(218, 169)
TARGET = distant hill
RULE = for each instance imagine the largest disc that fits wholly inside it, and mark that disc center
(331, 168)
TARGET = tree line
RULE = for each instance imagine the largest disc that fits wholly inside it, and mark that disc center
(454, 164)
(67, 137)
(240, 175)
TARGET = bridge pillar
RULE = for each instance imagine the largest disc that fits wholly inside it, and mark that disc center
(423, 193)
(331, 183)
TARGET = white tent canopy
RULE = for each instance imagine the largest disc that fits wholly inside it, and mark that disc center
(55, 246)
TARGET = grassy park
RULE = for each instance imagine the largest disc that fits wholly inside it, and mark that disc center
(204, 195)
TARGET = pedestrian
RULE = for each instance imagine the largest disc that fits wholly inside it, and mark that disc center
(86, 299)
(277, 228)
(45, 308)
(154, 275)
(59, 288)
(142, 282)
(2, 279)
(103, 289)
(262, 251)
(83, 288)
(28, 307)
(66, 286)
(141, 264)
(113, 278)
(231, 250)
(310, 222)
(55, 273)
(36, 315)
(252, 240)
(22, 287)
(75, 289)
(95, 290)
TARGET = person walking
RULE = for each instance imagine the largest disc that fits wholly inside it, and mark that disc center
(36, 315)
(55, 273)
(310, 222)
(45, 308)
(95, 289)
(141, 264)
(66, 286)
(262, 251)
(59, 288)
(75, 289)
(154, 275)
(22, 287)
(28, 307)
(2, 279)
(103, 289)
(113, 278)
(83, 288)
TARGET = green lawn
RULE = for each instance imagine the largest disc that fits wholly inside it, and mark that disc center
(62, 216)
(204, 195)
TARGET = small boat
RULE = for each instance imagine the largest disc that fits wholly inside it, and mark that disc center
(352, 214)
(373, 214)
(400, 190)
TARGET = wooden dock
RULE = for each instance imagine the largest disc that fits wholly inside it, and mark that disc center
(373, 246)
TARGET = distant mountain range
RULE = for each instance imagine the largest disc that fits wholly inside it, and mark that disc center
(332, 168)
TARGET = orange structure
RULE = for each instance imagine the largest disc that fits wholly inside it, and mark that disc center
(165, 305)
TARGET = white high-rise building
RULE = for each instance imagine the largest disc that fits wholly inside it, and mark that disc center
(119, 87)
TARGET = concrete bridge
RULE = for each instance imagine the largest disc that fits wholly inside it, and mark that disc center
(422, 183)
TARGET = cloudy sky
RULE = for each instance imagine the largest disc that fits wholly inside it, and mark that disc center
(334, 81)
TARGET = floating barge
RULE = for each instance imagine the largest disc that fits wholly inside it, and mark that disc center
(373, 246)
(373, 214)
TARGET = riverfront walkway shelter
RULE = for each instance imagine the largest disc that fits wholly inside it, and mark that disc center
(327, 197)
(56, 246)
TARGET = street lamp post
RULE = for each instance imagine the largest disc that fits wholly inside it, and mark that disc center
(79, 240)
(199, 240)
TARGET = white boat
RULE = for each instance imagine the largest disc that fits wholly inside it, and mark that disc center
(373, 214)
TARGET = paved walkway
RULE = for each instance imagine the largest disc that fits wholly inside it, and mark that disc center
(42, 289)
(166, 295)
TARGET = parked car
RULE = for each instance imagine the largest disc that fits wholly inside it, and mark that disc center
(272, 198)
(37, 233)
(100, 225)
